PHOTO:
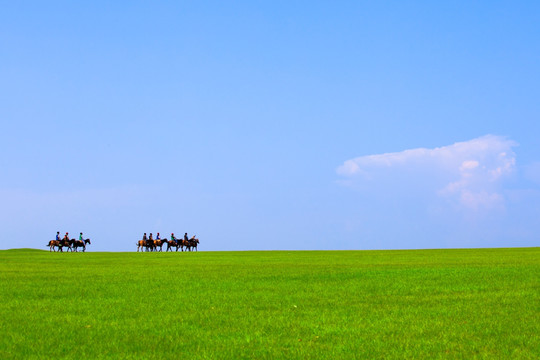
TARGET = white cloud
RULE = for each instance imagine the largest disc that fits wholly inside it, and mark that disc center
(469, 172)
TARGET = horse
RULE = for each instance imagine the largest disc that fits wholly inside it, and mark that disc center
(172, 243)
(52, 244)
(140, 244)
(186, 244)
(66, 243)
(159, 243)
(80, 243)
(193, 243)
(148, 244)
(189, 244)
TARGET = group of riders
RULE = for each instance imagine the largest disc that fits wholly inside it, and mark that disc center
(70, 244)
(148, 243)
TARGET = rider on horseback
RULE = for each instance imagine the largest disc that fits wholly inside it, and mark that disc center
(150, 242)
(145, 241)
(66, 237)
(58, 236)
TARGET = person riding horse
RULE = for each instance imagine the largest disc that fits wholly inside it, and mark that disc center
(150, 242)
(172, 243)
(145, 241)
(64, 242)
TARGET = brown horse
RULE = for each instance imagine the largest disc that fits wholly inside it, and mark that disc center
(172, 243)
(189, 244)
(193, 243)
(184, 243)
(79, 243)
(159, 243)
(147, 245)
(140, 245)
(52, 244)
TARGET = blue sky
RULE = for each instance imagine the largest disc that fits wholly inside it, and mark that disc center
(271, 125)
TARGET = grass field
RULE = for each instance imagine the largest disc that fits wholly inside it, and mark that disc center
(477, 303)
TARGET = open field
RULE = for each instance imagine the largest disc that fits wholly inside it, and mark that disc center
(477, 303)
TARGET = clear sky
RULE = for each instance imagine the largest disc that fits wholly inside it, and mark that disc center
(271, 125)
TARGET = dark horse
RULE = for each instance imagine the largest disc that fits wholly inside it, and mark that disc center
(66, 243)
(189, 244)
(193, 242)
(171, 244)
(79, 243)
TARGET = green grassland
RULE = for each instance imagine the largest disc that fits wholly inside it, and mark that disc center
(464, 304)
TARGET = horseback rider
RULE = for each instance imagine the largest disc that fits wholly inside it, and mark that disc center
(186, 237)
(145, 241)
(80, 242)
(172, 237)
(66, 237)
(157, 237)
(150, 238)
(58, 236)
